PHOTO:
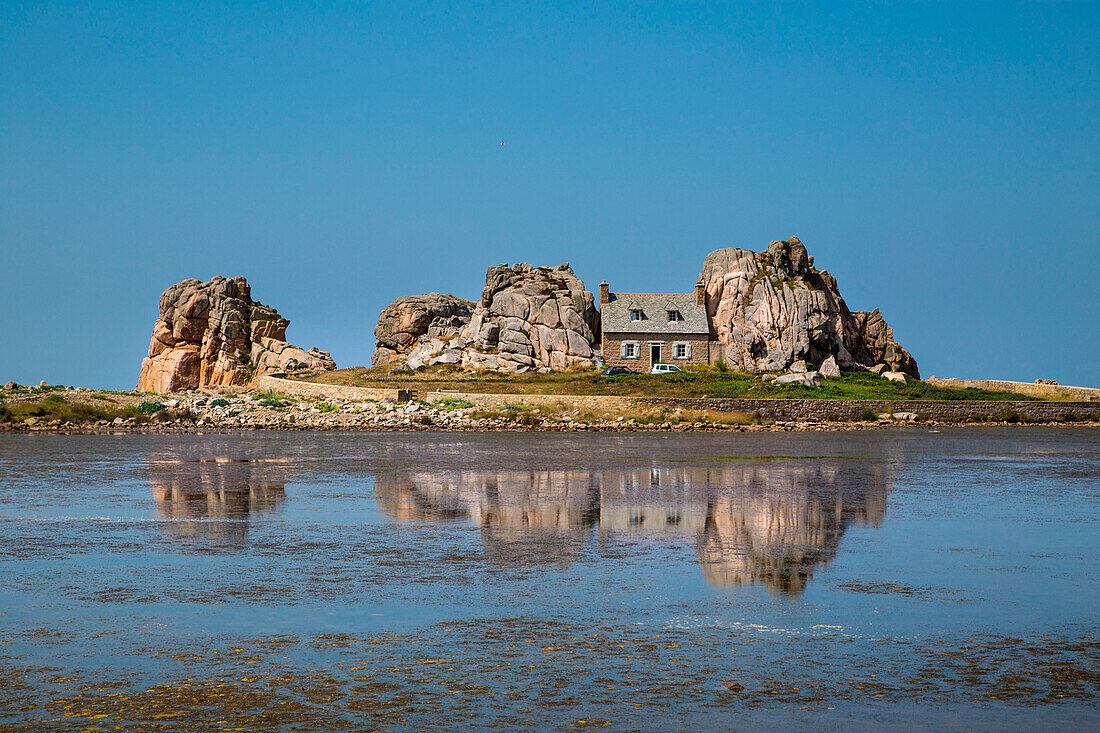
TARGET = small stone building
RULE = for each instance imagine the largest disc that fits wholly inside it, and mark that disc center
(643, 329)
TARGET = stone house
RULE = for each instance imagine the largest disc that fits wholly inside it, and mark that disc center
(639, 330)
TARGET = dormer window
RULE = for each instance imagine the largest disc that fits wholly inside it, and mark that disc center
(674, 315)
(636, 315)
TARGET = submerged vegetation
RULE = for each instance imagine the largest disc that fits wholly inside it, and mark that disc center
(513, 667)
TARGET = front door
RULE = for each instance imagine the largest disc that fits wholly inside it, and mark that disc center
(654, 354)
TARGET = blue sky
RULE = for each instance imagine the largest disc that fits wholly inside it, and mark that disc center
(940, 159)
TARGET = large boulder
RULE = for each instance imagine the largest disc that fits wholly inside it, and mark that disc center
(527, 318)
(874, 343)
(214, 335)
(772, 309)
(411, 318)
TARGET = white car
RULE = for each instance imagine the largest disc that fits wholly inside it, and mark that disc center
(665, 369)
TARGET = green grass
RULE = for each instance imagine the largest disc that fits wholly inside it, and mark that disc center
(537, 414)
(56, 407)
(451, 403)
(24, 389)
(270, 400)
(695, 382)
(269, 396)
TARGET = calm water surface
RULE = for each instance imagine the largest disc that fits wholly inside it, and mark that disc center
(867, 580)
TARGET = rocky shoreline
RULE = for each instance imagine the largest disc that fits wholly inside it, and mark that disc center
(201, 413)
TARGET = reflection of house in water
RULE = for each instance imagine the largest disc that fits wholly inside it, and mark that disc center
(658, 500)
(766, 521)
(203, 483)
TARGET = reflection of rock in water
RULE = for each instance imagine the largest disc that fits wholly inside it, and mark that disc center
(770, 522)
(212, 482)
(526, 517)
(779, 535)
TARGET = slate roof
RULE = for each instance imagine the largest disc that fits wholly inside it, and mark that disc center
(615, 315)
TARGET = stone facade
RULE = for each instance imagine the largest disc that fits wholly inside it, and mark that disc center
(643, 329)
(698, 350)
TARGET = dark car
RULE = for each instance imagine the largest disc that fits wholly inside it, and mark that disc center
(613, 371)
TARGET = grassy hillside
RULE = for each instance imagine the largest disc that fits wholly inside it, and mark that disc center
(696, 382)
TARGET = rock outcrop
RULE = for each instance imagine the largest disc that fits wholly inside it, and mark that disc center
(772, 309)
(874, 343)
(528, 317)
(214, 335)
(409, 318)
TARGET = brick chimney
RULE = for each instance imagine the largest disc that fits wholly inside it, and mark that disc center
(605, 293)
(700, 292)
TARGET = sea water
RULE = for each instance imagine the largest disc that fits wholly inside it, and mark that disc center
(878, 580)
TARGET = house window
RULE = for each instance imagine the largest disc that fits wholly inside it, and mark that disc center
(630, 349)
(681, 351)
(635, 315)
(674, 316)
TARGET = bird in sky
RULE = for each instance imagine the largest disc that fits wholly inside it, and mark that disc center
(502, 143)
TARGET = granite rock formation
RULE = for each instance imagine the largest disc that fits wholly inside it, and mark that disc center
(874, 344)
(405, 321)
(772, 309)
(214, 335)
(528, 317)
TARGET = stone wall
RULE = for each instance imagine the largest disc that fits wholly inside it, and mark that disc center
(945, 410)
(323, 391)
(612, 348)
(1043, 391)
